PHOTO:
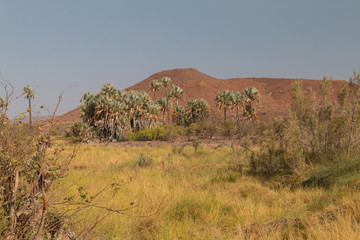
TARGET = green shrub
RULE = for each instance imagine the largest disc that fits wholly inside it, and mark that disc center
(196, 144)
(146, 134)
(343, 172)
(144, 161)
(178, 149)
(203, 129)
(162, 133)
(78, 130)
(171, 132)
(227, 129)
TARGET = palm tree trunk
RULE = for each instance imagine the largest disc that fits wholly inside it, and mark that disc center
(224, 113)
(167, 106)
(134, 125)
(154, 95)
(30, 120)
(237, 113)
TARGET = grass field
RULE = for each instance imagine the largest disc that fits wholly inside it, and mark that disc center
(175, 192)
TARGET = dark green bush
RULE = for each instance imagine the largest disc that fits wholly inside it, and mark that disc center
(146, 134)
(162, 133)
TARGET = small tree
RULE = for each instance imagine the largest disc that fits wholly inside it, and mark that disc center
(29, 94)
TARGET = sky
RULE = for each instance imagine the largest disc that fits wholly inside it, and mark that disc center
(79, 45)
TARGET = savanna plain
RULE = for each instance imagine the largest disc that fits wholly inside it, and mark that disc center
(143, 167)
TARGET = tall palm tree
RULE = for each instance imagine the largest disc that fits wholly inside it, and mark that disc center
(154, 86)
(152, 114)
(224, 99)
(162, 102)
(251, 95)
(133, 104)
(29, 94)
(166, 82)
(176, 93)
(238, 100)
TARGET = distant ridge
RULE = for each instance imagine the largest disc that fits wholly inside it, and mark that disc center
(275, 92)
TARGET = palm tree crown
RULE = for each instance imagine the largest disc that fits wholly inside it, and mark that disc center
(224, 99)
(154, 86)
(251, 95)
(166, 82)
(29, 94)
(176, 92)
(238, 101)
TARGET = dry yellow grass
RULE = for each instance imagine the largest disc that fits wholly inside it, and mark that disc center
(201, 195)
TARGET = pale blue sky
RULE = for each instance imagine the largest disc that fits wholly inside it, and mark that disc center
(52, 45)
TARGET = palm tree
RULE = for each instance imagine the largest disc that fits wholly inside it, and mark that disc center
(224, 99)
(108, 90)
(114, 111)
(179, 115)
(154, 86)
(166, 82)
(238, 101)
(29, 94)
(251, 95)
(152, 114)
(162, 102)
(197, 110)
(176, 92)
(133, 104)
(144, 106)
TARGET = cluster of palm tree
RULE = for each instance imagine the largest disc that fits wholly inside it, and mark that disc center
(236, 100)
(112, 111)
(174, 92)
(195, 110)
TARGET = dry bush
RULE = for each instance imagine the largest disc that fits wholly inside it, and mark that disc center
(316, 130)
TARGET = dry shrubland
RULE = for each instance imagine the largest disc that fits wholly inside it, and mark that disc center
(296, 177)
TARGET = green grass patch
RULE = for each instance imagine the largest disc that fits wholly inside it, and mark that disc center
(345, 172)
